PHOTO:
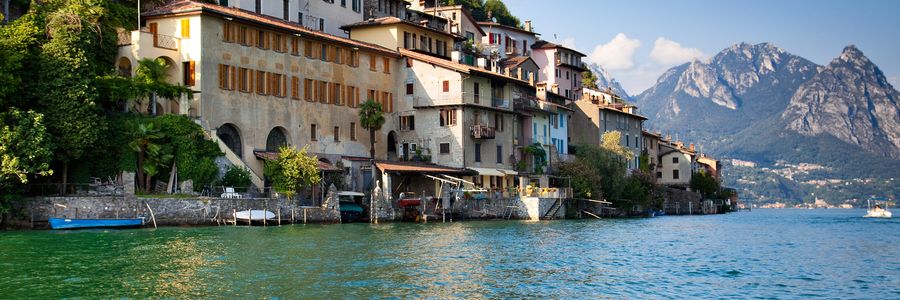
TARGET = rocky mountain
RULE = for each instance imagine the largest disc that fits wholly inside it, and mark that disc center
(604, 80)
(736, 87)
(761, 104)
(851, 100)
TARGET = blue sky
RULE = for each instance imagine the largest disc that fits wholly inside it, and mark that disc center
(638, 40)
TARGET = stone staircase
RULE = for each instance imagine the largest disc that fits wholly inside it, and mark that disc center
(231, 156)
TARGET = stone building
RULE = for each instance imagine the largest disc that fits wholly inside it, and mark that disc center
(261, 82)
(325, 16)
(561, 68)
(594, 117)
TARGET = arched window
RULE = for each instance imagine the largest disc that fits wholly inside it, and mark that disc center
(276, 139)
(230, 135)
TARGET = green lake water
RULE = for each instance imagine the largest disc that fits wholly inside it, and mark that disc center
(759, 254)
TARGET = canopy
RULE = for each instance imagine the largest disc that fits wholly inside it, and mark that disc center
(488, 172)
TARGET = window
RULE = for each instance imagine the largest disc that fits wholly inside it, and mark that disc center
(407, 123)
(258, 6)
(675, 160)
(675, 174)
(557, 73)
(287, 8)
(280, 44)
(308, 90)
(277, 86)
(567, 74)
(230, 32)
(627, 141)
(387, 64)
(338, 55)
(352, 131)
(446, 86)
(355, 4)
(261, 82)
(321, 92)
(499, 154)
(243, 36)
(407, 44)
(343, 3)
(295, 87)
(409, 88)
(497, 119)
(185, 28)
(245, 80)
(323, 52)
(313, 133)
(226, 77)
(352, 96)
(371, 95)
(295, 46)
(477, 152)
(189, 71)
(387, 102)
(321, 24)
(262, 39)
(372, 63)
(336, 94)
(554, 121)
(307, 49)
(562, 121)
(354, 58)
(476, 93)
(444, 148)
(337, 133)
(448, 117)
(658, 174)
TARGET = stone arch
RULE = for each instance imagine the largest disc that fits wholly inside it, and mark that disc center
(277, 137)
(231, 136)
(392, 145)
(172, 73)
(123, 65)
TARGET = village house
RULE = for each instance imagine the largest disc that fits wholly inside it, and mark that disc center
(710, 165)
(594, 116)
(503, 42)
(676, 165)
(462, 24)
(561, 68)
(651, 149)
(261, 82)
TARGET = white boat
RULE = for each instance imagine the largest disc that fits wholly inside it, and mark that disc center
(254, 215)
(877, 211)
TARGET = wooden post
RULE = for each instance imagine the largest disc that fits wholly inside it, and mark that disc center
(292, 216)
(152, 217)
(234, 215)
(263, 217)
(279, 215)
(304, 216)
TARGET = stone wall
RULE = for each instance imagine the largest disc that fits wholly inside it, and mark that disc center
(682, 202)
(190, 211)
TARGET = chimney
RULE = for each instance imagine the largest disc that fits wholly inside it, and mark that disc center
(528, 25)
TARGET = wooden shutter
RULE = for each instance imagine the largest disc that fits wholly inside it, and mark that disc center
(185, 28)
(154, 30)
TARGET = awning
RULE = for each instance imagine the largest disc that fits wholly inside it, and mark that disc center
(510, 172)
(415, 167)
(488, 172)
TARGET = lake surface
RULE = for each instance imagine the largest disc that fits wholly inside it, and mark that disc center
(759, 254)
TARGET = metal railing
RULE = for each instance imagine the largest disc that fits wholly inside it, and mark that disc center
(165, 42)
(74, 190)
(482, 132)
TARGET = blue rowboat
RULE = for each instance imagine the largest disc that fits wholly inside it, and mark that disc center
(61, 223)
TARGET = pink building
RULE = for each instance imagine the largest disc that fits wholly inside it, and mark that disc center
(561, 68)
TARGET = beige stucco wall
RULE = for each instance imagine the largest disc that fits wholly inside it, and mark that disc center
(683, 166)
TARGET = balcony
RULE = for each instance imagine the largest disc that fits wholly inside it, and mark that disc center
(571, 64)
(499, 102)
(482, 132)
(145, 39)
(481, 100)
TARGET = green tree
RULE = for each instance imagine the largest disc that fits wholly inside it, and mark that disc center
(589, 79)
(150, 81)
(292, 171)
(596, 173)
(237, 177)
(25, 149)
(371, 117)
(612, 142)
(705, 184)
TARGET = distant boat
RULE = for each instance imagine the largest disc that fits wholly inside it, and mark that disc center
(254, 215)
(877, 211)
(63, 223)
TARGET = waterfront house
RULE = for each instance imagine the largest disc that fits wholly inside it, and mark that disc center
(676, 165)
(651, 149)
(561, 68)
(593, 116)
(261, 82)
(462, 24)
(710, 165)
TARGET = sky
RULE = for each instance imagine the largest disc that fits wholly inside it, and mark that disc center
(637, 40)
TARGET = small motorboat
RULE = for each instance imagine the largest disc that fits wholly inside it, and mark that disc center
(254, 215)
(64, 223)
(877, 211)
(351, 208)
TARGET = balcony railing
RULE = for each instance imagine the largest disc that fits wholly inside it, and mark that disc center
(165, 41)
(483, 132)
(484, 100)
(123, 38)
(575, 64)
(500, 102)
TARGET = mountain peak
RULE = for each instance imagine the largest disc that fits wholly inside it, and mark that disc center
(853, 54)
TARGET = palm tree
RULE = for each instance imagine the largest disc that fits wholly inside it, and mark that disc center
(150, 78)
(150, 154)
(371, 117)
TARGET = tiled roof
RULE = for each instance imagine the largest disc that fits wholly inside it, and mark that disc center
(513, 62)
(416, 167)
(513, 28)
(391, 20)
(187, 6)
(455, 66)
(622, 112)
(466, 13)
(541, 44)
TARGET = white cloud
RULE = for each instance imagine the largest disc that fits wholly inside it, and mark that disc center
(667, 52)
(568, 43)
(618, 54)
